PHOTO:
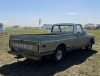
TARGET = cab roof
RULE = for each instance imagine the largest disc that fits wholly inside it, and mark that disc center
(64, 24)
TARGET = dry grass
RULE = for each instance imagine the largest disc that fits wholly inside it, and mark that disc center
(77, 63)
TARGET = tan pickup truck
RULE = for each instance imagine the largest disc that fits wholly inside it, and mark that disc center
(63, 37)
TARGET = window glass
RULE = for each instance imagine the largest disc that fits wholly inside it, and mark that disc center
(67, 28)
(56, 29)
(79, 29)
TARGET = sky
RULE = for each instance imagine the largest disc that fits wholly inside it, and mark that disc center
(28, 12)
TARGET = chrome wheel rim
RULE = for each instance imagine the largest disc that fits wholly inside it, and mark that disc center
(59, 55)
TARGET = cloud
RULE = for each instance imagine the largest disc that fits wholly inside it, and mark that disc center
(5, 21)
(71, 13)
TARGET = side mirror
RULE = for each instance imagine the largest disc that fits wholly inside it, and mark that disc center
(84, 32)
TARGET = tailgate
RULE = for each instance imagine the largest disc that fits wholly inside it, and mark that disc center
(24, 43)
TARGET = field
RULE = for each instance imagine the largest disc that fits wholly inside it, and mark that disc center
(77, 63)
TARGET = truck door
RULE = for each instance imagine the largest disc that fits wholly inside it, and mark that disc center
(81, 38)
(68, 35)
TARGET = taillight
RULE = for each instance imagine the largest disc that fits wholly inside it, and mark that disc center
(40, 47)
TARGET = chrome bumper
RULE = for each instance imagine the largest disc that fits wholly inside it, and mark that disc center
(29, 56)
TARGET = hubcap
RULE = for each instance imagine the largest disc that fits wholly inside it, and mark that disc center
(90, 46)
(59, 55)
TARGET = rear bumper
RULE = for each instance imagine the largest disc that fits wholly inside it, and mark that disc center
(23, 55)
(34, 56)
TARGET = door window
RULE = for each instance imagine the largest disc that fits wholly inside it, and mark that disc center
(79, 29)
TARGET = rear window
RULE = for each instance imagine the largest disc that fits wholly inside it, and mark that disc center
(67, 28)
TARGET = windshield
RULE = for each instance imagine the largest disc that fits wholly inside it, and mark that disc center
(63, 28)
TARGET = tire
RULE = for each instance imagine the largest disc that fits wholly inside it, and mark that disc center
(89, 46)
(58, 55)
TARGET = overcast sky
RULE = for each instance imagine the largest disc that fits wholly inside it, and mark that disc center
(28, 12)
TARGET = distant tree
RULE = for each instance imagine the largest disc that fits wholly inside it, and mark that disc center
(16, 26)
(98, 26)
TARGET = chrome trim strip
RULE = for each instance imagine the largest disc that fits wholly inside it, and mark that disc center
(23, 40)
(56, 40)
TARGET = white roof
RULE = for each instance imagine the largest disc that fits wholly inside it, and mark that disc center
(65, 24)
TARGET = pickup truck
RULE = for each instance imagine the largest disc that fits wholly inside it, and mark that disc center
(63, 37)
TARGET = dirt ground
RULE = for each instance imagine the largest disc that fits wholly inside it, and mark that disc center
(73, 65)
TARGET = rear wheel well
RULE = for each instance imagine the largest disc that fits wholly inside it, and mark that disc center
(63, 46)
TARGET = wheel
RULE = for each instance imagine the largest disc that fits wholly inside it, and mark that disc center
(59, 54)
(89, 46)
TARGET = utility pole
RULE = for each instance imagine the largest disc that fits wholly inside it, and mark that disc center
(39, 23)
